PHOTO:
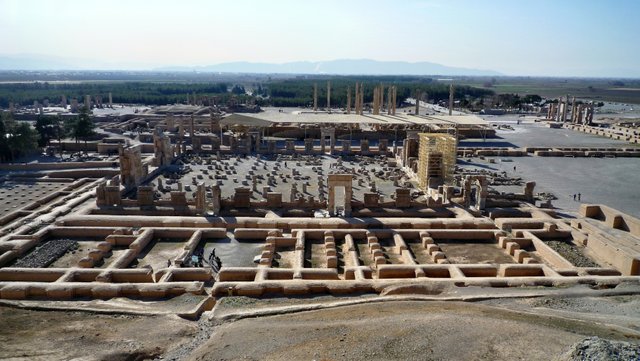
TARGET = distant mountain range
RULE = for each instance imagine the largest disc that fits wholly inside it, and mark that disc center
(337, 67)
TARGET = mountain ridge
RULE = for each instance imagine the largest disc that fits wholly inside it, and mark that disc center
(336, 67)
(331, 67)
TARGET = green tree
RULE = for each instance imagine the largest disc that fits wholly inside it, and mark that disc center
(48, 127)
(16, 138)
(82, 128)
(238, 89)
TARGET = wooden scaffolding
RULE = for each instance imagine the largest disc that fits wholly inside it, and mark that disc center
(437, 154)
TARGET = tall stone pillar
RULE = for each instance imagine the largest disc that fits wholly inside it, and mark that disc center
(216, 196)
(451, 99)
(564, 109)
(348, 100)
(375, 100)
(87, 101)
(418, 97)
(328, 96)
(200, 199)
(192, 129)
(308, 145)
(110, 100)
(361, 98)
(315, 97)
(559, 110)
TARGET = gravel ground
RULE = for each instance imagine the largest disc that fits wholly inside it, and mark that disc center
(400, 330)
(595, 349)
(568, 326)
(62, 335)
(46, 254)
(571, 253)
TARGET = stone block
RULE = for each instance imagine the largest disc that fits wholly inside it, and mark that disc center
(520, 255)
(431, 248)
(426, 241)
(379, 260)
(332, 261)
(512, 247)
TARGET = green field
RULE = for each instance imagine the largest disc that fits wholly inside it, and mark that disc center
(614, 90)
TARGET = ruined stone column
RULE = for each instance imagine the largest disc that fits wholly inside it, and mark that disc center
(559, 110)
(418, 96)
(361, 99)
(315, 97)
(574, 109)
(87, 101)
(348, 100)
(564, 110)
(110, 100)
(395, 93)
(328, 96)
(200, 199)
(216, 199)
(355, 99)
(308, 145)
(579, 115)
(375, 101)
(588, 118)
(192, 129)
(451, 99)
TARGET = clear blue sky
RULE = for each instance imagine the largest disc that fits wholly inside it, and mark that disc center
(515, 37)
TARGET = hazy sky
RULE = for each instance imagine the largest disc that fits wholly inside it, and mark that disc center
(515, 37)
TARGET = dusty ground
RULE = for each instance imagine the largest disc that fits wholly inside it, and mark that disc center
(401, 330)
(55, 335)
(333, 328)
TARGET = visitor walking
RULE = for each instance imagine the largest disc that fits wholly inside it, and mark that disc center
(579, 196)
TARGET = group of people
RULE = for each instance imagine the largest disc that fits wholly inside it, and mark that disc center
(214, 261)
(197, 260)
(578, 196)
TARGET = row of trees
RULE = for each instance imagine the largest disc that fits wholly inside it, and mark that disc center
(128, 93)
(299, 92)
(18, 139)
(290, 92)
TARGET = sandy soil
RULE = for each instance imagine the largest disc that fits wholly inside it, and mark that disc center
(54, 335)
(400, 330)
(368, 327)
